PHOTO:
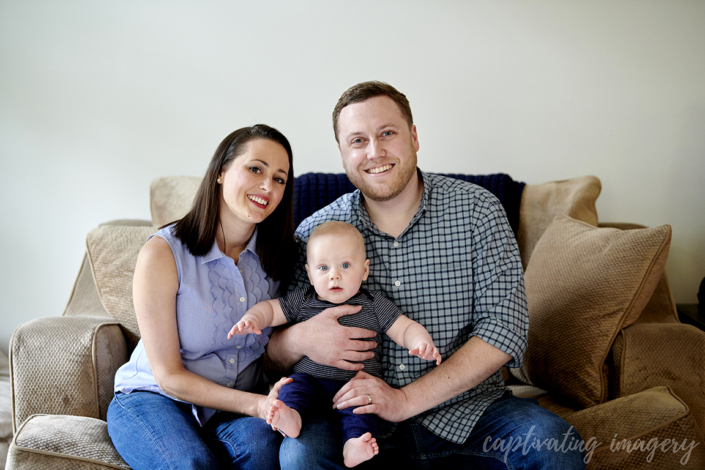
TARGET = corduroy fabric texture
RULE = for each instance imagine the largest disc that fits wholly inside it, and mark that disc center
(113, 251)
(541, 203)
(655, 415)
(53, 369)
(680, 364)
(583, 285)
(64, 442)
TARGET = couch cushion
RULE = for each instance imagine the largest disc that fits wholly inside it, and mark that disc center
(583, 285)
(171, 198)
(64, 442)
(640, 432)
(540, 203)
(112, 251)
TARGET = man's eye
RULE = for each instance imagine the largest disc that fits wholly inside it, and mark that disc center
(387, 133)
(345, 265)
(357, 141)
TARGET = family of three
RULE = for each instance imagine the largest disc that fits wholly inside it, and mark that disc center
(398, 303)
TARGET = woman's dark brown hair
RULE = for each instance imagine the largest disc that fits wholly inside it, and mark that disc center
(276, 246)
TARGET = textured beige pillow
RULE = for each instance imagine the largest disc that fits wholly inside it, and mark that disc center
(171, 198)
(540, 203)
(584, 284)
(112, 251)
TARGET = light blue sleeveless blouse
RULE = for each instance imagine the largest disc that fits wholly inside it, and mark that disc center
(213, 295)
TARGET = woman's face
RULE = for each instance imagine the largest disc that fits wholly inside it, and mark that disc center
(253, 184)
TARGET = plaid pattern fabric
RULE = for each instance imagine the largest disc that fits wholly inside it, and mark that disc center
(456, 270)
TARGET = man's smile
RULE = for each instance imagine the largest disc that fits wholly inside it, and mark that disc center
(379, 169)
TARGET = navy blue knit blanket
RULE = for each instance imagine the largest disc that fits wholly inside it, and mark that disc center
(314, 191)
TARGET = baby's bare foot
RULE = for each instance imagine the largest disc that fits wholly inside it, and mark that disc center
(285, 419)
(359, 449)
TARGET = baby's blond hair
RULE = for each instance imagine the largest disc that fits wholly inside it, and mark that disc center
(336, 228)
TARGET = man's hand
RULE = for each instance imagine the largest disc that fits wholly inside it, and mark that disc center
(373, 395)
(327, 342)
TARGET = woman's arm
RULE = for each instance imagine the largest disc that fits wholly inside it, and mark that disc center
(154, 291)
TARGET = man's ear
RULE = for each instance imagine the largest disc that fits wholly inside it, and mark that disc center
(415, 137)
(367, 270)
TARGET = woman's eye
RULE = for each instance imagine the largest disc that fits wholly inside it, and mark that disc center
(280, 180)
(345, 265)
(255, 169)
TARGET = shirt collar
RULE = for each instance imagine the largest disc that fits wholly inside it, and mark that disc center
(359, 206)
(215, 252)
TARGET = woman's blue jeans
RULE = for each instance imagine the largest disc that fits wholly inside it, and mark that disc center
(151, 431)
(414, 447)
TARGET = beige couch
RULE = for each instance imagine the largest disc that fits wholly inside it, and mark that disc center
(606, 350)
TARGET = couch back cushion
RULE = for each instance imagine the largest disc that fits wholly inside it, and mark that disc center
(584, 284)
(112, 251)
(172, 197)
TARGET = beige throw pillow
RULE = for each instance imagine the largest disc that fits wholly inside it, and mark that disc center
(540, 203)
(584, 284)
(112, 251)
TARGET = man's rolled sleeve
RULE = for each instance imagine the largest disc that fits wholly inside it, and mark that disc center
(501, 315)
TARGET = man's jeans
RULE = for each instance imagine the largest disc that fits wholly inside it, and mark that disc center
(488, 447)
(151, 431)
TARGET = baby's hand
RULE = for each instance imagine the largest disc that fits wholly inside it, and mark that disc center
(426, 351)
(244, 327)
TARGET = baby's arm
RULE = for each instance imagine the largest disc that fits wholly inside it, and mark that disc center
(261, 315)
(414, 337)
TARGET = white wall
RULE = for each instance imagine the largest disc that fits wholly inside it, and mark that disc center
(99, 98)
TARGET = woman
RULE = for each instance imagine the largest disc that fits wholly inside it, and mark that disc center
(194, 279)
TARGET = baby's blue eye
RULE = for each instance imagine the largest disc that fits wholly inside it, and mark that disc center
(345, 265)
(323, 268)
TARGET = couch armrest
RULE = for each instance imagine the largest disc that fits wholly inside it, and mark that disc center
(647, 355)
(627, 431)
(65, 366)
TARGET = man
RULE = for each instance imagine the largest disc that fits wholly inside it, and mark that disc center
(443, 251)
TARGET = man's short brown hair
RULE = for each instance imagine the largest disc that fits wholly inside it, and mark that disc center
(366, 90)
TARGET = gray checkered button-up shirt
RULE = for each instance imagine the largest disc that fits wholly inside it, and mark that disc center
(456, 270)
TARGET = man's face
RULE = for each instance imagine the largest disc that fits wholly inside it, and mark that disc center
(377, 147)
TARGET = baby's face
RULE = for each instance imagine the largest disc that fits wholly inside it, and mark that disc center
(336, 266)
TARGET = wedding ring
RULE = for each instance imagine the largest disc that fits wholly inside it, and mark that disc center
(369, 400)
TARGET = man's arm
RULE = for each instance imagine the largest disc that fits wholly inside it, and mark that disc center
(473, 363)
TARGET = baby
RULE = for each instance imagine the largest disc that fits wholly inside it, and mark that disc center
(336, 266)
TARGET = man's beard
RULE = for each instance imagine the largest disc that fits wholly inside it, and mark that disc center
(390, 191)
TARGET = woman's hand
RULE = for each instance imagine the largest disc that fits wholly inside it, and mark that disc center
(266, 402)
